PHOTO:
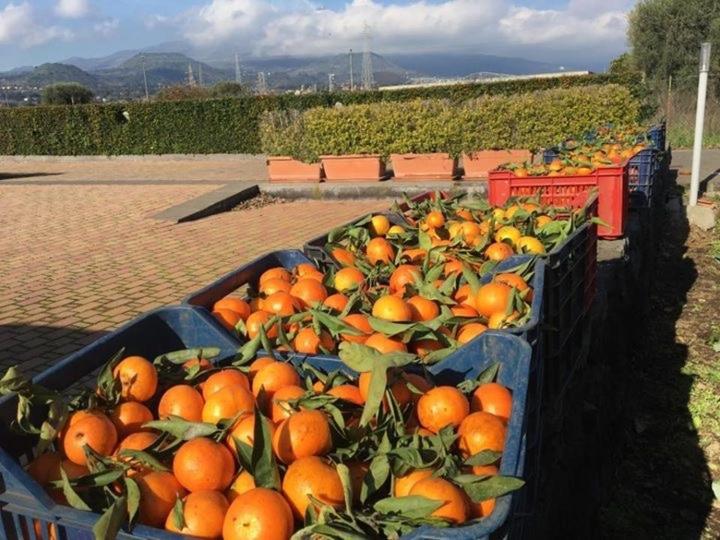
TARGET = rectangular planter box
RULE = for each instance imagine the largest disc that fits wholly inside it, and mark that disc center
(353, 168)
(479, 164)
(287, 169)
(436, 166)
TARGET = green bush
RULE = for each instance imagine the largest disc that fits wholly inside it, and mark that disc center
(68, 93)
(217, 125)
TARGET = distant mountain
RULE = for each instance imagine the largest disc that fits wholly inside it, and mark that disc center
(104, 62)
(461, 65)
(46, 74)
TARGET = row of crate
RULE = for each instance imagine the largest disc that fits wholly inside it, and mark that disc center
(537, 362)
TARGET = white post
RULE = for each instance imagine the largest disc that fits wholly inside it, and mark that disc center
(699, 121)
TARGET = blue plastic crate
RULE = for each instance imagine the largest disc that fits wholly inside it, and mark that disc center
(657, 134)
(247, 274)
(644, 178)
(22, 500)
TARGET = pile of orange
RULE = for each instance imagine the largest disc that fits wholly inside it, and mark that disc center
(192, 453)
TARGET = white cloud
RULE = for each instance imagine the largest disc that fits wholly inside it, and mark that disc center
(106, 27)
(18, 26)
(72, 9)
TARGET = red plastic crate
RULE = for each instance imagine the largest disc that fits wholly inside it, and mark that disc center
(611, 183)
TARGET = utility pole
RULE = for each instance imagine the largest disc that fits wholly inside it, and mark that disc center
(331, 82)
(147, 94)
(367, 70)
(238, 77)
(699, 122)
(350, 57)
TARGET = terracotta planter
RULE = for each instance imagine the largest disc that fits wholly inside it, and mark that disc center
(478, 164)
(287, 169)
(353, 168)
(437, 166)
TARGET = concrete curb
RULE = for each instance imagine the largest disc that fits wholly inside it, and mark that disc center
(121, 158)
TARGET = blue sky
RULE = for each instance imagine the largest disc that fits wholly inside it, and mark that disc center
(567, 31)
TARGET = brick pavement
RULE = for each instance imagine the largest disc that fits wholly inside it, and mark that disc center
(78, 260)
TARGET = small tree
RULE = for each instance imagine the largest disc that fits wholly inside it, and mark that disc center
(182, 92)
(66, 94)
(229, 89)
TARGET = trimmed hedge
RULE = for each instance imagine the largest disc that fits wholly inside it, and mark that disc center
(525, 121)
(216, 125)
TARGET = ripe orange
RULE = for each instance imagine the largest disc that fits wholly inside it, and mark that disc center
(226, 403)
(493, 298)
(379, 250)
(203, 513)
(500, 320)
(227, 318)
(158, 492)
(139, 440)
(273, 285)
(138, 378)
(403, 484)
(398, 382)
(343, 256)
(311, 476)
(423, 347)
(41, 468)
(391, 308)
(498, 251)
(305, 269)
(507, 233)
(470, 331)
(423, 309)
(273, 377)
(238, 305)
(257, 365)
(463, 310)
(281, 303)
(415, 255)
(541, 221)
(336, 302)
(95, 430)
(512, 280)
(403, 275)
(384, 344)
(279, 410)
(258, 514)
(258, 319)
(464, 296)
(379, 225)
(221, 379)
(347, 279)
(481, 509)
(471, 231)
(277, 272)
(309, 292)
(129, 417)
(359, 321)
(442, 406)
(395, 230)
(435, 219)
(452, 267)
(493, 398)
(243, 483)
(202, 464)
(181, 400)
(480, 431)
(308, 342)
(530, 244)
(303, 434)
(455, 509)
(201, 363)
(244, 431)
(347, 392)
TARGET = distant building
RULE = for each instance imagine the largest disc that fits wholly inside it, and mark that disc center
(482, 78)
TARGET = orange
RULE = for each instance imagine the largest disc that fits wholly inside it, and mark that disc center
(423, 309)
(442, 406)
(347, 392)
(303, 434)
(485, 470)
(336, 302)
(395, 230)
(452, 267)
(273, 285)
(279, 410)
(308, 342)
(257, 365)
(463, 311)
(343, 256)
(243, 483)
(500, 320)
(258, 319)
(391, 308)
(512, 280)
(227, 317)
(379, 225)
(158, 492)
(140, 440)
(480, 431)
(138, 378)
(359, 321)
(309, 292)
(305, 269)
(244, 431)
(435, 219)
(423, 347)
(238, 305)
(201, 363)
(493, 398)
(403, 484)
(541, 221)
(273, 377)
(358, 471)
(398, 383)
(129, 417)
(347, 279)
(277, 272)
(258, 514)
(202, 464)
(481, 509)
(379, 250)
(498, 251)
(384, 344)
(181, 400)
(464, 296)
(403, 275)
(41, 468)
(471, 231)
(456, 507)
(530, 244)
(493, 298)
(470, 331)
(221, 379)
(311, 476)
(280, 303)
(203, 513)
(226, 403)
(415, 255)
(95, 430)
(507, 233)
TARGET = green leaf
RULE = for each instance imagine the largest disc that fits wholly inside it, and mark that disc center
(472, 279)
(492, 487)
(389, 328)
(265, 469)
(182, 429)
(376, 391)
(72, 497)
(344, 474)
(108, 526)
(247, 352)
(144, 458)
(182, 356)
(484, 457)
(358, 357)
(178, 514)
(412, 506)
(378, 473)
(108, 386)
(132, 492)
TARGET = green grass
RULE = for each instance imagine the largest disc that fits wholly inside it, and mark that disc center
(683, 137)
